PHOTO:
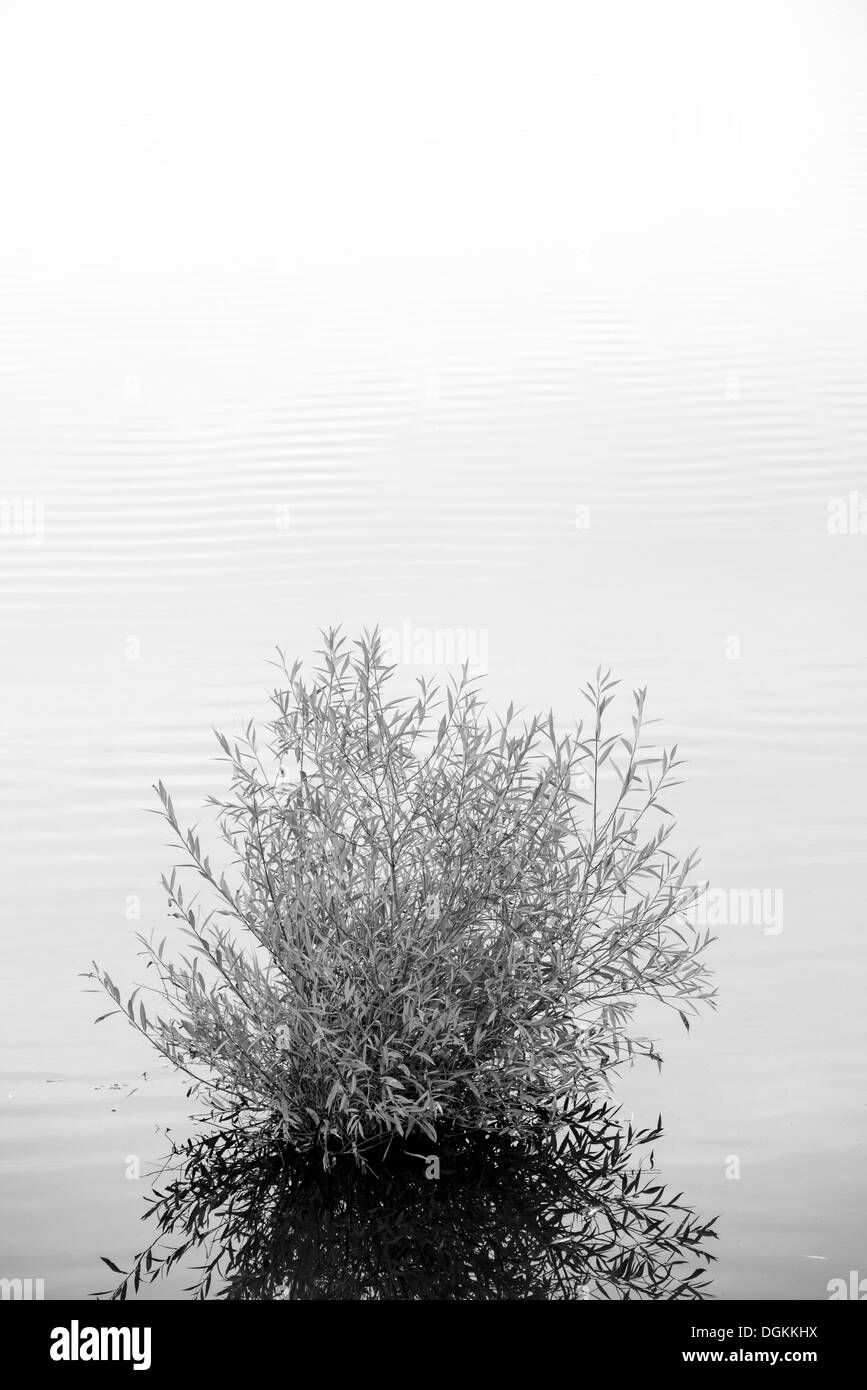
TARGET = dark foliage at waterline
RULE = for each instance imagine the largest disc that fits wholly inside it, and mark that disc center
(547, 1216)
(432, 922)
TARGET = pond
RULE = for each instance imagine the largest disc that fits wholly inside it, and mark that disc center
(583, 385)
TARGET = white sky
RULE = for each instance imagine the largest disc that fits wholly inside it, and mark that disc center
(169, 133)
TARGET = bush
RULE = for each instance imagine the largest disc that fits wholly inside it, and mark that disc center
(437, 919)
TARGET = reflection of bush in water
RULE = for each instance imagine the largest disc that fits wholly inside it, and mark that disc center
(540, 1218)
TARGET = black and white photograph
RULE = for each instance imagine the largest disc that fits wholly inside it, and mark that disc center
(433, 559)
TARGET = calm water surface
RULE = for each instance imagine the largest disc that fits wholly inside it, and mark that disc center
(586, 379)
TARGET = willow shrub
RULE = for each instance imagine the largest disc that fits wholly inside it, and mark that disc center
(432, 918)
